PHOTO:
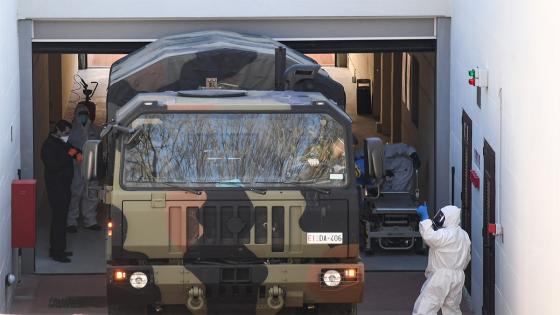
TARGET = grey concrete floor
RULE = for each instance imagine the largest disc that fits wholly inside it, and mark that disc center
(87, 246)
(386, 293)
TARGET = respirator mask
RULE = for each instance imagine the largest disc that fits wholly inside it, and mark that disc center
(438, 220)
(83, 118)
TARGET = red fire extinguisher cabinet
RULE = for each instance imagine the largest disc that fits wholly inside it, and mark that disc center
(23, 213)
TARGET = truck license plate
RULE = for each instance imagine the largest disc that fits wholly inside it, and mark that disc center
(324, 238)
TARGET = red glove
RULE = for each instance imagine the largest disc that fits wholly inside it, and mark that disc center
(79, 157)
(73, 152)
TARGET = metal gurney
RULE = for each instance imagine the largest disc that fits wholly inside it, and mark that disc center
(389, 217)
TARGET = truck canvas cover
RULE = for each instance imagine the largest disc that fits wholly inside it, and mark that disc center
(184, 62)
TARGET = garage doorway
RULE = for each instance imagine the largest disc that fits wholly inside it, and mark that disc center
(403, 110)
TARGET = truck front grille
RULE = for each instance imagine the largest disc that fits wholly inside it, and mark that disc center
(232, 225)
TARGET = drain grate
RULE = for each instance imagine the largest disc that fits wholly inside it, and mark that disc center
(77, 302)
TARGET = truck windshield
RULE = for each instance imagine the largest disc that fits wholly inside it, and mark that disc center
(235, 150)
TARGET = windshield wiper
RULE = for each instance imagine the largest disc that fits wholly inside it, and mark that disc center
(309, 181)
(258, 191)
(302, 184)
(192, 191)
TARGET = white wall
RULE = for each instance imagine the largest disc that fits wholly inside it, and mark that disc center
(149, 9)
(9, 145)
(517, 41)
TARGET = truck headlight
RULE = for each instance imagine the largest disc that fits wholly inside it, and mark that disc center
(138, 280)
(332, 278)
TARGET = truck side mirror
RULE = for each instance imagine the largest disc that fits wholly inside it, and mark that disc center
(92, 166)
(374, 150)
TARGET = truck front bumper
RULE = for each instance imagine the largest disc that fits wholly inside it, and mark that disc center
(257, 287)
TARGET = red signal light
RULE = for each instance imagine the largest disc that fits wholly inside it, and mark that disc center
(472, 77)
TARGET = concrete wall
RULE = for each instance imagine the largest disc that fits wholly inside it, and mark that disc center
(516, 42)
(422, 136)
(9, 139)
(165, 9)
(42, 98)
(69, 67)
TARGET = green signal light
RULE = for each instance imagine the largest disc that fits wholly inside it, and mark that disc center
(471, 73)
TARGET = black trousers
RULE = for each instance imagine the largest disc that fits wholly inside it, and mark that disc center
(59, 199)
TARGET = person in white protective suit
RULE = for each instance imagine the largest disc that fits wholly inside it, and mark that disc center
(400, 161)
(82, 130)
(450, 253)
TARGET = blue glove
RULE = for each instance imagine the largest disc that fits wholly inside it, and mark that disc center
(422, 212)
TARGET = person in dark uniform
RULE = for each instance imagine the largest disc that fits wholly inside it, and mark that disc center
(57, 155)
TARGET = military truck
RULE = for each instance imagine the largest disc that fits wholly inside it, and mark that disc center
(229, 201)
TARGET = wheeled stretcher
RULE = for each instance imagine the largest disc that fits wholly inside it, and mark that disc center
(389, 218)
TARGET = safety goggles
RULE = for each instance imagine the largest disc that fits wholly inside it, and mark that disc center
(438, 219)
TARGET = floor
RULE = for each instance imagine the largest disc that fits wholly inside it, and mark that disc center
(87, 246)
(387, 293)
(395, 261)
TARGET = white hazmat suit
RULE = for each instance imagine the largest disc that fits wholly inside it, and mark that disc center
(80, 200)
(450, 253)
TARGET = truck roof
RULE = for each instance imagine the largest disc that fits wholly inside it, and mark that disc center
(185, 61)
(222, 100)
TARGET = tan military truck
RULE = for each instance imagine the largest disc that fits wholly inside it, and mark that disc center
(226, 201)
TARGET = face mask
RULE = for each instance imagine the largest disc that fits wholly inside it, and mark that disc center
(64, 138)
(83, 119)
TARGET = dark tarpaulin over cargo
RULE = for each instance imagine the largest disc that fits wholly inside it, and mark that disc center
(183, 62)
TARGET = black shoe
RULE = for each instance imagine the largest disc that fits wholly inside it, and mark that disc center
(95, 227)
(72, 229)
(61, 258)
(66, 254)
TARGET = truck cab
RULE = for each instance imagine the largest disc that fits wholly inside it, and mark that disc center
(230, 202)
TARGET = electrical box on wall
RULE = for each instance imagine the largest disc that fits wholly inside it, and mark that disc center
(478, 77)
(23, 213)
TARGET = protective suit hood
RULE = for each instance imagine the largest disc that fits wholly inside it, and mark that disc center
(81, 133)
(452, 216)
(80, 109)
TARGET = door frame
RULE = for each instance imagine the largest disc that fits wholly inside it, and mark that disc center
(466, 187)
(488, 240)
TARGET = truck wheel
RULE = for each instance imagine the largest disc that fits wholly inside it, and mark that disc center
(345, 309)
(126, 309)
